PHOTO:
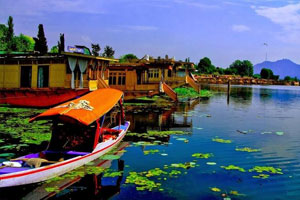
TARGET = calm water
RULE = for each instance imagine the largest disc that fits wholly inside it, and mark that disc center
(265, 118)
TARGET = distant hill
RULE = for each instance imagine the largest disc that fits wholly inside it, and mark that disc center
(284, 67)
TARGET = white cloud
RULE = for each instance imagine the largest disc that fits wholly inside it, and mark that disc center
(288, 17)
(240, 28)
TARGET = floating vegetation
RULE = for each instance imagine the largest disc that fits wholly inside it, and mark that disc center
(187, 92)
(186, 165)
(247, 149)
(236, 193)
(203, 155)
(144, 143)
(112, 174)
(261, 169)
(211, 163)
(154, 172)
(94, 170)
(110, 157)
(279, 133)
(262, 176)
(215, 189)
(151, 151)
(142, 182)
(174, 172)
(233, 167)
(34, 138)
(221, 140)
(13, 146)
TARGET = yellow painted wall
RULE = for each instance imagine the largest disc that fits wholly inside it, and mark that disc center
(10, 76)
(57, 74)
(34, 74)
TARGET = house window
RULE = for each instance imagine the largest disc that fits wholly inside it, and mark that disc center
(117, 78)
(26, 72)
(153, 73)
(43, 76)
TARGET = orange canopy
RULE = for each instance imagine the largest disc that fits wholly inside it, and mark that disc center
(87, 108)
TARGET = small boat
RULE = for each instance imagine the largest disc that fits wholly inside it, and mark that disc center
(82, 131)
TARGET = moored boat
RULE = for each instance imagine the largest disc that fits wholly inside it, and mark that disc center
(83, 130)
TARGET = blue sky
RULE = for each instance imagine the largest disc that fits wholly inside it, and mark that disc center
(221, 30)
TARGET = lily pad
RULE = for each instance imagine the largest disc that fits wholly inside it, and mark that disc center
(221, 140)
(247, 149)
(9, 155)
(202, 155)
(280, 133)
(110, 157)
(233, 167)
(262, 176)
(211, 163)
(164, 154)
(215, 189)
(269, 169)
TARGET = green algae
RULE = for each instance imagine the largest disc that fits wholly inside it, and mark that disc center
(203, 155)
(141, 182)
(247, 149)
(221, 140)
(269, 169)
(215, 189)
(261, 176)
(151, 151)
(233, 167)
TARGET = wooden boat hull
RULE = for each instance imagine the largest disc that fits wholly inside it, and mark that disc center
(40, 98)
(47, 172)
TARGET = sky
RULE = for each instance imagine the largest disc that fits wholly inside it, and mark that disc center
(223, 31)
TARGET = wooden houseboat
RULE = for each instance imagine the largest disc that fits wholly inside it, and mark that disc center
(149, 77)
(34, 80)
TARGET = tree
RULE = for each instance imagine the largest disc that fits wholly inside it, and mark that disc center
(287, 78)
(205, 66)
(243, 68)
(54, 49)
(108, 52)
(95, 49)
(128, 58)
(266, 73)
(3, 37)
(24, 43)
(61, 43)
(41, 41)
(10, 34)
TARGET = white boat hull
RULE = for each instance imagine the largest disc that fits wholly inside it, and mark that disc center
(47, 172)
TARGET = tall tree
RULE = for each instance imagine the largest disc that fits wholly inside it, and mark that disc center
(127, 58)
(266, 73)
(3, 37)
(205, 66)
(41, 41)
(61, 43)
(10, 34)
(95, 49)
(108, 52)
(24, 43)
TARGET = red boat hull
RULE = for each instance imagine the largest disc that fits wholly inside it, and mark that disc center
(39, 98)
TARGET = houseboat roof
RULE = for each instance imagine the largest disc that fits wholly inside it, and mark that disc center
(87, 108)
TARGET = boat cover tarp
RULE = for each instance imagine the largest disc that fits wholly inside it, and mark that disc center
(87, 108)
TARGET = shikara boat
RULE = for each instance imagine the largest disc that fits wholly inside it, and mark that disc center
(82, 131)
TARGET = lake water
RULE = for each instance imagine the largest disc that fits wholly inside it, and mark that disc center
(263, 118)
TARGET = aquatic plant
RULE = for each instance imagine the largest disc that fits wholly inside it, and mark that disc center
(215, 189)
(211, 163)
(202, 155)
(174, 172)
(154, 172)
(185, 165)
(151, 151)
(110, 157)
(142, 182)
(279, 133)
(35, 138)
(191, 93)
(233, 167)
(221, 140)
(261, 169)
(262, 176)
(52, 189)
(112, 174)
(94, 170)
(247, 149)
(236, 193)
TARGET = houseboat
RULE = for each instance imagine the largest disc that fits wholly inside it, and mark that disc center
(34, 80)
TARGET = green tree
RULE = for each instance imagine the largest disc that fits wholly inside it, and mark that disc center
(95, 49)
(54, 49)
(24, 43)
(108, 52)
(10, 34)
(288, 78)
(243, 68)
(41, 41)
(128, 58)
(3, 37)
(205, 66)
(266, 73)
